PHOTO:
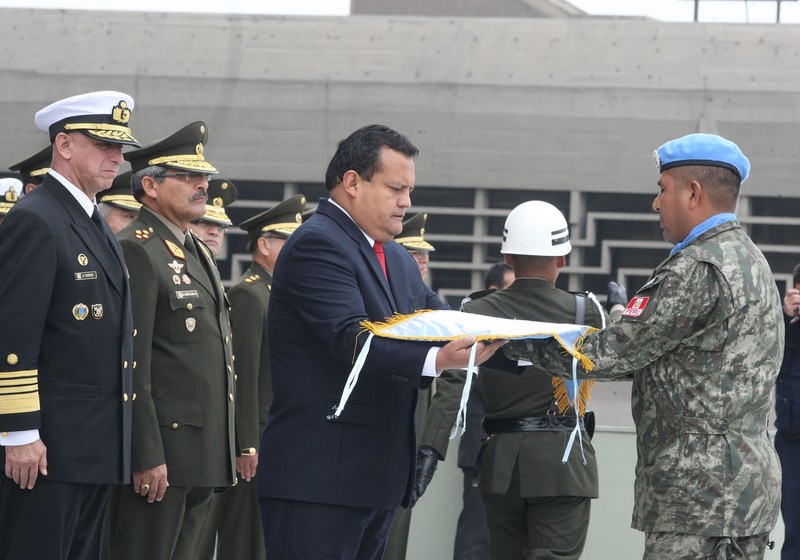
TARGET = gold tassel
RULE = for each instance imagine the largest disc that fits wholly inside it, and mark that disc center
(562, 396)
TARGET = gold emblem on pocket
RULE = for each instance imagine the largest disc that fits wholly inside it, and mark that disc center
(80, 311)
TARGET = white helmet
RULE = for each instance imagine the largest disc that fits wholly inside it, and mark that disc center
(536, 228)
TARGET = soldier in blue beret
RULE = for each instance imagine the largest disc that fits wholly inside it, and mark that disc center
(702, 341)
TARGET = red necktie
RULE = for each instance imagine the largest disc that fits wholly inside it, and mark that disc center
(378, 247)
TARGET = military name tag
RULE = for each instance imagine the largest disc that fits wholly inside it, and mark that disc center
(89, 275)
(191, 323)
(187, 294)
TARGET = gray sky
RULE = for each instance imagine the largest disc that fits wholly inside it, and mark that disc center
(735, 11)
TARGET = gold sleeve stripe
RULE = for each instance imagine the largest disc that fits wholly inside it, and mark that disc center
(18, 374)
(19, 403)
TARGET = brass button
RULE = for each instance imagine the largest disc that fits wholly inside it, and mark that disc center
(134, 365)
(135, 332)
(189, 306)
(124, 397)
(227, 339)
(12, 359)
(174, 425)
(235, 377)
(230, 396)
(125, 364)
(133, 398)
(229, 368)
(4, 434)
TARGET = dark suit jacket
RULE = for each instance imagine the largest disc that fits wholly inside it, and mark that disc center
(328, 279)
(183, 413)
(66, 321)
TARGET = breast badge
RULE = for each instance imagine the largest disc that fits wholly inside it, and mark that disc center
(83, 260)
(191, 323)
(186, 279)
(176, 266)
(80, 311)
(97, 311)
(176, 280)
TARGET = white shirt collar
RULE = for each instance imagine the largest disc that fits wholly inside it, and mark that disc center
(369, 239)
(86, 203)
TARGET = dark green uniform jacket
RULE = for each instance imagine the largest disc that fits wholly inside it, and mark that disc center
(530, 394)
(183, 414)
(249, 304)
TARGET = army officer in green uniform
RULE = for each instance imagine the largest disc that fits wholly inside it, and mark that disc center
(183, 415)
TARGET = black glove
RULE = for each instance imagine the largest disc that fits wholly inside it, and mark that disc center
(617, 295)
(427, 461)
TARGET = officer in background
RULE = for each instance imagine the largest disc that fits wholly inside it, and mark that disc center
(237, 518)
(536, 507)
(117, 205)
(10, 191)
(65, 340)
(787, 421)
(412, 239)
(183, 444)
(211, 227)
(34, 168)
(703, 341)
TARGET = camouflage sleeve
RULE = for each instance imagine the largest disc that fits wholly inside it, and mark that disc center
(674, 306)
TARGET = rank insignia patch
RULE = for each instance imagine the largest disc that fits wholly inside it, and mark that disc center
(174, 250)
(636, 307)
(80, 311)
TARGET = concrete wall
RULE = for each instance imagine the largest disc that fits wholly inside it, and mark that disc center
(516, 103)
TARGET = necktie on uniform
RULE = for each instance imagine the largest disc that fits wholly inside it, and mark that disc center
(378, 248)
(98, 220)
(188, 242)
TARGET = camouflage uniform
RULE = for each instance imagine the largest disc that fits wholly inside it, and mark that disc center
(702, 341)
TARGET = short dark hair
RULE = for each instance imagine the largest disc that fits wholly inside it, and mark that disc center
(360, 152)
(721, 184)
(496, 275)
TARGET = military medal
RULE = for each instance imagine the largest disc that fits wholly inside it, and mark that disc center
(176, 280)
(97, 311)
(186, 279)
(80, 311)
(191, 323)
(83, 260)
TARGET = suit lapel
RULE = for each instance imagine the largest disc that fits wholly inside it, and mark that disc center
(107, 256)
(210, 269)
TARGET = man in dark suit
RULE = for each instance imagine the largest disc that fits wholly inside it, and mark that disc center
(183, 417)
(329, 488)
(65, 340)
(235, 522)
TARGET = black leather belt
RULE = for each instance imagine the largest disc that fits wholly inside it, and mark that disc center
(547, 423)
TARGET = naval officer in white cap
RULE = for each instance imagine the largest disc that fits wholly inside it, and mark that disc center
(66, 340)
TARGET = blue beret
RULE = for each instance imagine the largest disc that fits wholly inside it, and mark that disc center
(702, 149)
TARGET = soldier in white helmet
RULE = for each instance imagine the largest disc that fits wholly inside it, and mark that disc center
(536, 506)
